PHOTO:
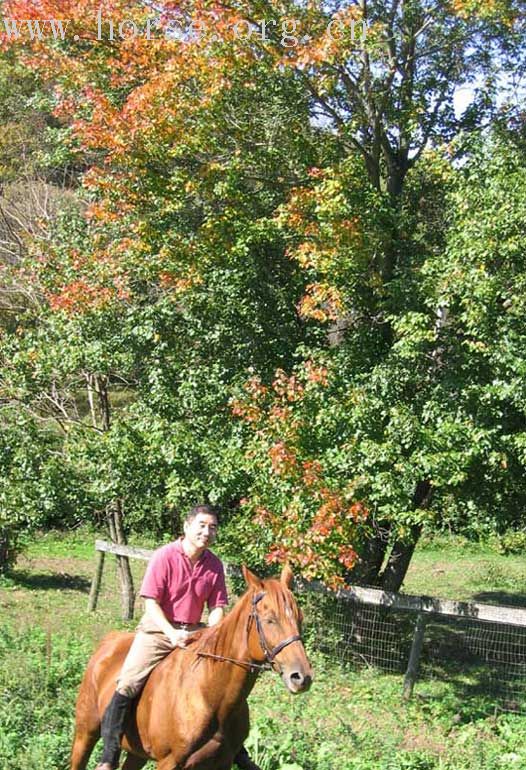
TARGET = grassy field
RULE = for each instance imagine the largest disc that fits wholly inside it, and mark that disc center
(350, 720)
(454, 568)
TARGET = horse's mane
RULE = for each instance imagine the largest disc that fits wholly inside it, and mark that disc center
(216, 639)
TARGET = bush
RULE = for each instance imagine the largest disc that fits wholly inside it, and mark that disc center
(511, 542)
(38, 685)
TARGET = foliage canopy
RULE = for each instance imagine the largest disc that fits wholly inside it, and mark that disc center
(285, 278)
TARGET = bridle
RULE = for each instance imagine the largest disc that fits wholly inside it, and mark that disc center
(270, 654)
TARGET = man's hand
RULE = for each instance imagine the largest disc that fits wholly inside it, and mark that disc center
(215, 616)
(179, 637)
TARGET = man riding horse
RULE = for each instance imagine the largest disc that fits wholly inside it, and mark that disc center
(181, 577)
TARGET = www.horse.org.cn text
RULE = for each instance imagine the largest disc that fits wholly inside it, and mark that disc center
(288, 32)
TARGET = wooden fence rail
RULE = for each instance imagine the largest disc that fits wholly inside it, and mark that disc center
(511, 616)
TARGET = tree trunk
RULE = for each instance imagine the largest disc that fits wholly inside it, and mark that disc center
(400, 557)
(114, 513)
(401, 554)
(5, 552)
(367, 571)
(101, 388)
(91, 401)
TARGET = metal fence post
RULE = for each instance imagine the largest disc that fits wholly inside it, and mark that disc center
(414, 657)
(95, 583)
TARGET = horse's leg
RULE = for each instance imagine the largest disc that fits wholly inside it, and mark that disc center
(87, 723)
(133, 762)
(83, 744)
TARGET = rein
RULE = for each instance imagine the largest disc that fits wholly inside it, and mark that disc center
(248, 663)
(270, 654)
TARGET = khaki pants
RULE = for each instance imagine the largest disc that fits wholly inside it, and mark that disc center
(148, 648)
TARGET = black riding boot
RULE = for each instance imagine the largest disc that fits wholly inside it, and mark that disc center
(112, 728)
(243, 761)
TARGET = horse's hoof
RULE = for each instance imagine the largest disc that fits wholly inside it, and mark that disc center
(243, 762)
(247, 764)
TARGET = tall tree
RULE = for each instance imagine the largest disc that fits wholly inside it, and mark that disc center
(203, 156)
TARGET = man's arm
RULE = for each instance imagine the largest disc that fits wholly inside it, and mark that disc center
(154, 612)
(215, 616)
(218, 597)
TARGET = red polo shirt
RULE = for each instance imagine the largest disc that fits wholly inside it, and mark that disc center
(182, 588)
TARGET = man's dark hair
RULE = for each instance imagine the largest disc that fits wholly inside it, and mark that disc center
(197, 509)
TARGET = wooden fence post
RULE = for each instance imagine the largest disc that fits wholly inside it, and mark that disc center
(95, 583)
(102, 548)
(414, 656)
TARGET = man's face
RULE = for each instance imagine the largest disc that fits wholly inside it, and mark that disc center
(201, 531)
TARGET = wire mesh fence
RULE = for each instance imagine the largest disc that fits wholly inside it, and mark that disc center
(489, 658)
(358, 634)
(480, 657)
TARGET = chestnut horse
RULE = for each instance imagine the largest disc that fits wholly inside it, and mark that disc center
(192, 713)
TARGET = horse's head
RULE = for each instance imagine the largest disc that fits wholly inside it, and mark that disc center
(274, 629)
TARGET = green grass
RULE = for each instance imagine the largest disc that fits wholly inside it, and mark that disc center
(457, 569)
(350, 720)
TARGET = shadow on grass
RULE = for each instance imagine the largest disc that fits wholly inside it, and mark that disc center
(480, 690)
(501, 597)
(44, 582)
(483, 664)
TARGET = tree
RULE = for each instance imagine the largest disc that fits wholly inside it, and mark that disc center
(446, 404)
(172, 335)
(192, 183)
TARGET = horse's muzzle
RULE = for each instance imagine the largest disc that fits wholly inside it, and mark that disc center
(297, 680)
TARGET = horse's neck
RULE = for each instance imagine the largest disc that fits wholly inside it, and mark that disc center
(229, 641)
(229, 638)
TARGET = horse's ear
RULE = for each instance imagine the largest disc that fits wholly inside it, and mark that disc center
(287, 576)
(251, 578)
